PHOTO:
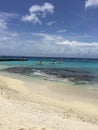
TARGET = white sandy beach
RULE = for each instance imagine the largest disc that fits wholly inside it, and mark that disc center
(45, 105)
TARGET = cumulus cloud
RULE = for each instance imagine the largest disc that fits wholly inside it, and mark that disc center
(36, 12)
(51, 23)
(91, 3)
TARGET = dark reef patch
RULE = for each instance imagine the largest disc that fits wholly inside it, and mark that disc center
(76, 76)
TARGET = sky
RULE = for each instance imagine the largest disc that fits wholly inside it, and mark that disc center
(67, 28)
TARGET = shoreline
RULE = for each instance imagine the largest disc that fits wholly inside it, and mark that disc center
(70, 104)
(72, 77)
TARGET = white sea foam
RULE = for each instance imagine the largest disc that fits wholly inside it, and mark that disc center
(39, 73)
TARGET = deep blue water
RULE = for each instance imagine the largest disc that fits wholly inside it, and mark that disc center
(77, 70)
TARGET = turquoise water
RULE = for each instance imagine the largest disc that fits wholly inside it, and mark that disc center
(66, 63)
(78, 71)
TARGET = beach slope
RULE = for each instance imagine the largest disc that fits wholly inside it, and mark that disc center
(42, 105)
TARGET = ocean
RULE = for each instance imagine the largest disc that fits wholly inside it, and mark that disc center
(82, 72)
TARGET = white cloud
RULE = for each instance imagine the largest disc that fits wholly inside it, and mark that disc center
(58, 39)
(80, 49)
(5, 38)
(45, 44)
(6, 35)
(5, 18)
(14, 34)
(91, 3)
(75, 43)
(51, 23)
(56, 45)
(62, 31)
(3, 24)
(47, 37)
(37, 11)
(31, 18)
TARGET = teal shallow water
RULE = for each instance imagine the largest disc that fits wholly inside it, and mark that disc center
(81, 72)
(59, 63)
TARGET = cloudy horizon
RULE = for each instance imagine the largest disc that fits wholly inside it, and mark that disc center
(49, 28)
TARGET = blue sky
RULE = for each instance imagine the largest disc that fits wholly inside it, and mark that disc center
(67, 28)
